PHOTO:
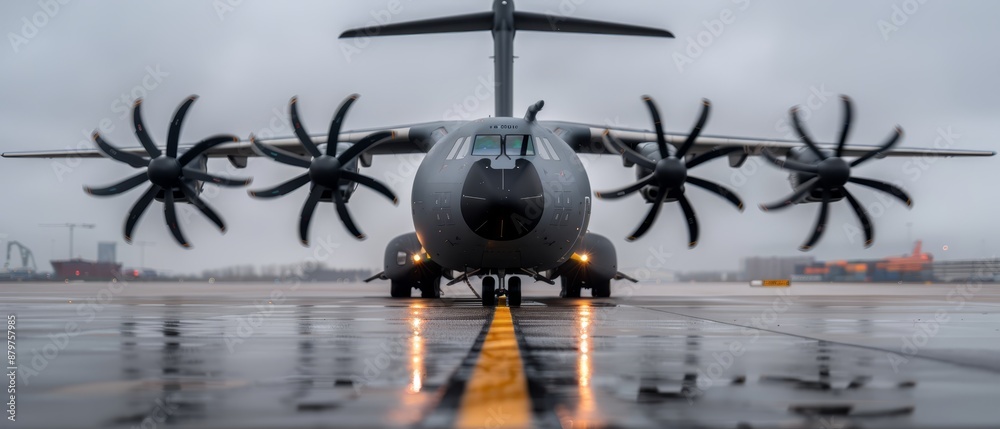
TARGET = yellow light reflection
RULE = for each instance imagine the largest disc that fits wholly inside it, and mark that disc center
(585, 415)
(416, 350)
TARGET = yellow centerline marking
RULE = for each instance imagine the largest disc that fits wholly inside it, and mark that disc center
(497, 394)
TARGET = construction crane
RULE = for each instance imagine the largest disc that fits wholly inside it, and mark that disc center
(72, 227)
(26, 257)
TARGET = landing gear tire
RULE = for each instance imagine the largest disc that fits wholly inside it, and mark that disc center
(489, 292)
(401, 289)
(601, 289)
(431, 288)
(570, 288)
(514, 292)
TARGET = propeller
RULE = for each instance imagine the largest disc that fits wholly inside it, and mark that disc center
(327, 171)
(669, 174)
(829, 175)
(166, 172)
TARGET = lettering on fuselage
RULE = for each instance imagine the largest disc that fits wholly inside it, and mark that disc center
(504, 127)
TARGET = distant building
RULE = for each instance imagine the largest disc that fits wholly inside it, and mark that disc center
(774, 267)
(106, 252)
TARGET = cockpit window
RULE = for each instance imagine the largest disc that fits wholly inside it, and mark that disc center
(488, 145)
(519, 145)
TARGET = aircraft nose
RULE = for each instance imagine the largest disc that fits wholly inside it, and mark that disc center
(502, 204)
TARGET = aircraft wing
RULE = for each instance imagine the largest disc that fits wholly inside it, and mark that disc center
(416, 138)
(589, 139)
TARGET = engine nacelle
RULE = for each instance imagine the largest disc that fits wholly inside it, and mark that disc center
(803, 154)
(652, 151)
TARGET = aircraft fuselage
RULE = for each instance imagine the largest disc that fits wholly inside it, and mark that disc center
(501, 193)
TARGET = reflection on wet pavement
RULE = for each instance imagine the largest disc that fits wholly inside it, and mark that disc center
(322, 359)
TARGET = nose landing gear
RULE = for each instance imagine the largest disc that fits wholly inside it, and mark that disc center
(511, 289)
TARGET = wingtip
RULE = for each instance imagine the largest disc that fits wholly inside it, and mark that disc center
(868, 243)
(762, 207)
(304, 243)
(692, 245)
(805, 248)
(740, 207)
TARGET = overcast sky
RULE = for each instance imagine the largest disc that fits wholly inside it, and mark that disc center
(931, 68)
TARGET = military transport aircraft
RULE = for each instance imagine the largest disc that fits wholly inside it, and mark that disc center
(499, 196)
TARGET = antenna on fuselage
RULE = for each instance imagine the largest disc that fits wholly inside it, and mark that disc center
(504, 22)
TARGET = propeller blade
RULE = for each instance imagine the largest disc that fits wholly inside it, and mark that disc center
(706, 108)
(170, 211)
(118, 188)
(789, 164)
(363, 145)
(203, 207)
(716, 152)
(174, 134)
(140, 131)
(307, 213)
(717, 189)
(797, 195)
(345, 215)
(797, 122)
(846, 130)
(650, 218)
(338, 120)
(628, 190)
(884, 187)
(205, 145)
(300, 131)
(611, 141)
(373, 184)
(191, 173)
(824, 211)
(661, 139)
(116, 154)
(889, 143)
(279, 155)
(138, 209)
(692, 221)
(866, 223)
(282, 189)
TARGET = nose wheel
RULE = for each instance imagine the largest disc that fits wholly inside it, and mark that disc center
(512, 290)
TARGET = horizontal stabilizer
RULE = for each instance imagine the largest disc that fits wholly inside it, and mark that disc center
(540, 22)
(451, 24)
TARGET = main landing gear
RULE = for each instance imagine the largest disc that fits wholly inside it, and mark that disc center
(511, 289)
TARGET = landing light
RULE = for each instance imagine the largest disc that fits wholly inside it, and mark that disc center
(417, 258)
(584, 257)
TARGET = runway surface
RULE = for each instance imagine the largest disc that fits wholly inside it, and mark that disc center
(289, 355)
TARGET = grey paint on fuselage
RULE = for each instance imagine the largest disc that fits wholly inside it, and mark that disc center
(562, 216)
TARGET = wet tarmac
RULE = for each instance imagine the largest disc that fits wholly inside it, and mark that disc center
(661, 355)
